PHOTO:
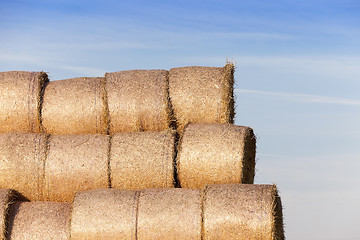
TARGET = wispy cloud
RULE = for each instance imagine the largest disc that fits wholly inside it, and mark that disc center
(302, 97)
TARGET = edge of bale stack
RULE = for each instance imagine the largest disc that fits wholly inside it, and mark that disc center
(7, 197)
(202, 94)
(20, 101)
(216, 153)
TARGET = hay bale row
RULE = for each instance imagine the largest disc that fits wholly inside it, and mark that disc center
(225, 211)
(125, 101)
(55, 167)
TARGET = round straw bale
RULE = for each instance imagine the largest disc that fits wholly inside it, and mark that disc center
(7, 197)
(104, 214)
(169, 214)
(142, 160)
(75, 106)
(20, 100)
(75, 163)
(22, 158)
(242, 211)
(138, 100)
(202, 94)
(216, 153)
(39, 220)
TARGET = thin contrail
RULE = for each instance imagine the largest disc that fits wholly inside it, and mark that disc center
(302, 97)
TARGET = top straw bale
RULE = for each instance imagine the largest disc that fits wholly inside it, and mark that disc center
(20, 101)
(138, 100)
(202, 94)
(75, 106)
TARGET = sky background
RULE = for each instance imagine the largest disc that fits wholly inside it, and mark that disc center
(297, 80)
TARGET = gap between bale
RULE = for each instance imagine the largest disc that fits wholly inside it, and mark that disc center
(7, 197)
(242, 211)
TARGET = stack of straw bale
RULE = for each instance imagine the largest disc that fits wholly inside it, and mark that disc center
(54, 167)
(90, 151)
(221, 211)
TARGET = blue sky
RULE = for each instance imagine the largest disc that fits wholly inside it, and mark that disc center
(297, 80)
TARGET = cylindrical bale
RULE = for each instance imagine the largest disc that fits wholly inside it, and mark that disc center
(39, 220)
(104, 214)
(169, 214)
(75, 163)
(75, 106)
(138, 100)
(202, 94)
(142, 160)
(242, 212)
(20, 101)
(216, 153)
(22, 158)
(7, 196)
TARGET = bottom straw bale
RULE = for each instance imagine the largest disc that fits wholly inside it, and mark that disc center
(39, 220)
(22, 157)
(7, 196)
(142, 160)
(75, 163)
(169, 214)
(104, 214)
(242, 211)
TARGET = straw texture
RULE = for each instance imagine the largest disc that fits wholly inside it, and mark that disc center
(242, 212)
(202, 94)
(104, 214)
(39, 220)
(22, 157)
(142, 160)
(20, 100)
(75, 163)
(75, 106)
(216, 153)
(169, 214)
(138, 100)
